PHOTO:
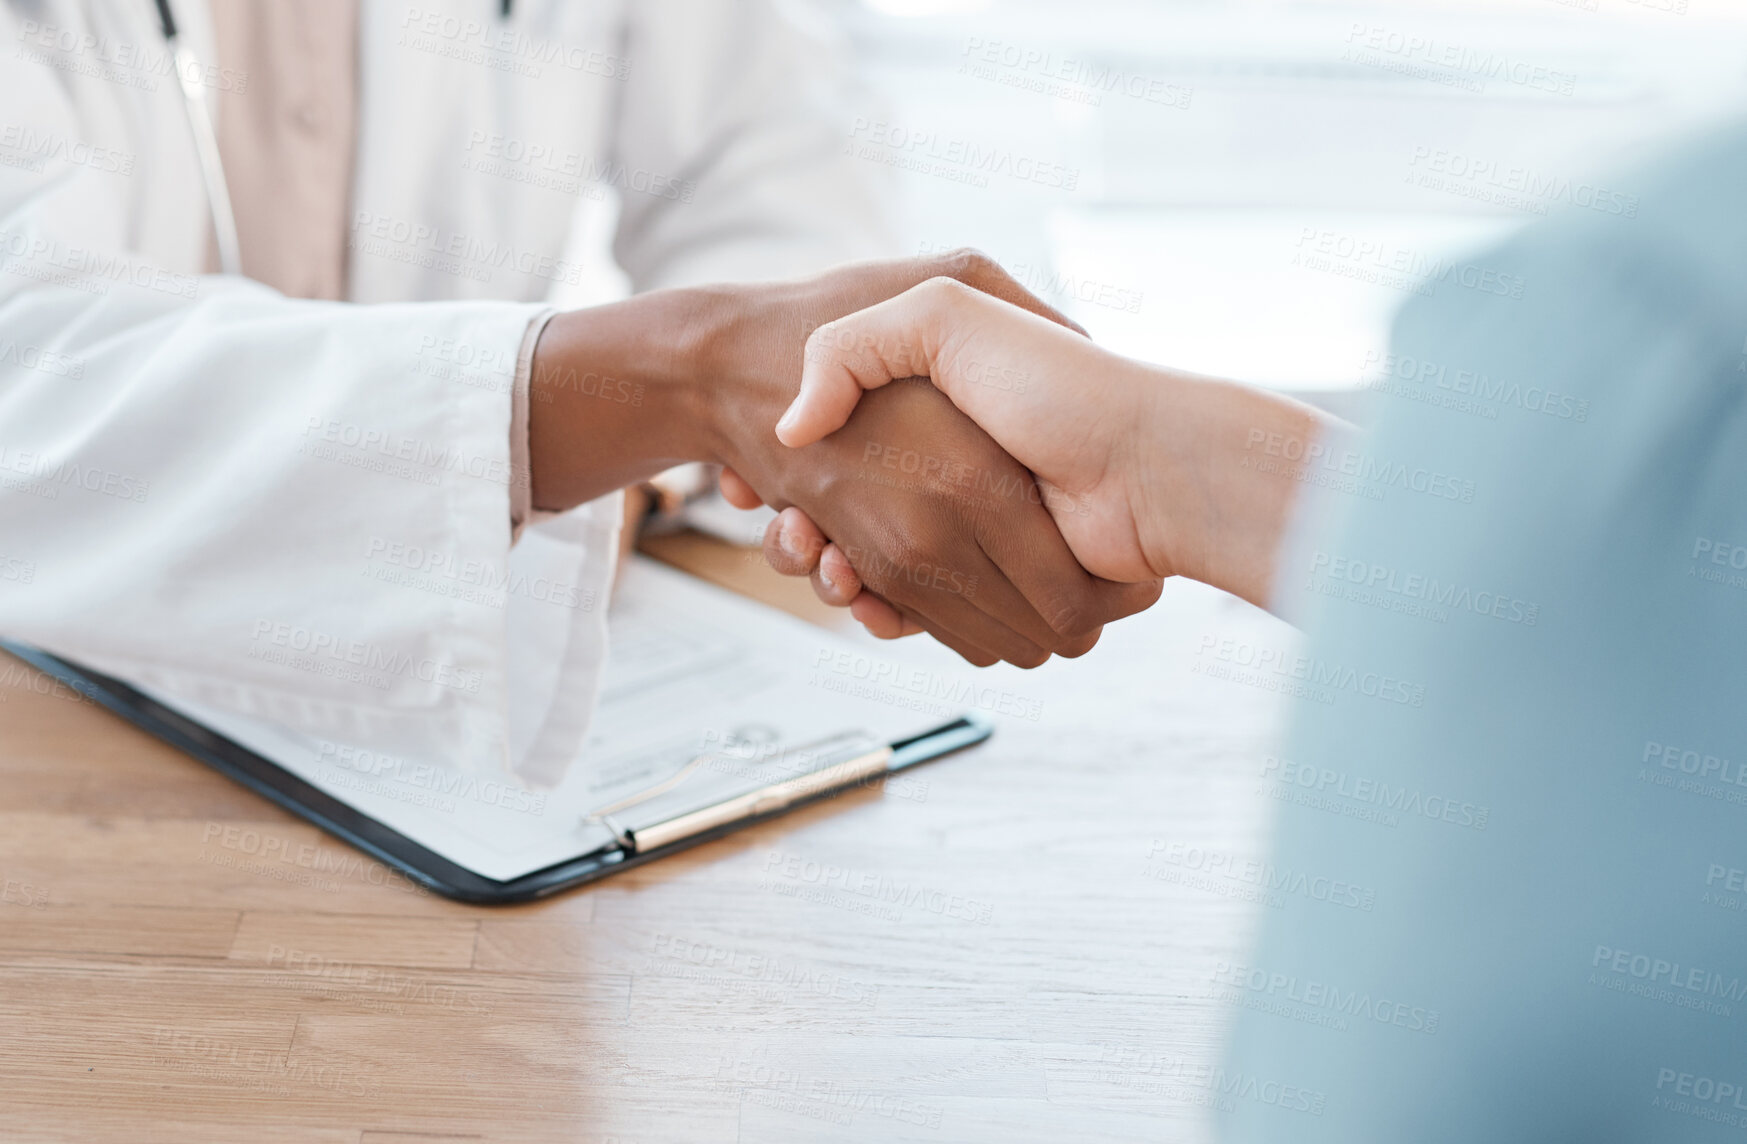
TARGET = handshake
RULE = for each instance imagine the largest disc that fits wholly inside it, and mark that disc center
(947, 453)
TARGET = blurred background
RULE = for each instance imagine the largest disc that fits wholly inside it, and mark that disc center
(1251, 188)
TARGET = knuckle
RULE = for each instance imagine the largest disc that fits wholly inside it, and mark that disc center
(943, 294)
(941, 290)
(1071, 620)
(967, 264)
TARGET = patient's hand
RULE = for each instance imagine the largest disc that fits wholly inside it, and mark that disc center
(1064, 406)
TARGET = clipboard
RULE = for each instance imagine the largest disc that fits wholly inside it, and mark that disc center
(656, 822)
(429, 868)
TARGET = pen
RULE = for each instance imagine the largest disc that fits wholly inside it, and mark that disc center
(753, 804)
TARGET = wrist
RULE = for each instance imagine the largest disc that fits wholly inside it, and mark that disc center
(615, 396)
(744, 358)
(1211, 494)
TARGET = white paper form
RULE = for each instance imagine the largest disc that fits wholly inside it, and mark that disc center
(691, 670)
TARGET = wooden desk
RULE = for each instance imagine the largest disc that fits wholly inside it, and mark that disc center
(1011, 945)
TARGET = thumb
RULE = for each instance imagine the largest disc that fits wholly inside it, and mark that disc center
(900, 337)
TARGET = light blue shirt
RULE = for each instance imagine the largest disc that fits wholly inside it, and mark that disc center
(1555, 830)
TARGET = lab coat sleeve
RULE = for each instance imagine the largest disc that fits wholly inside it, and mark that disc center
(294, 510)
(737, 116)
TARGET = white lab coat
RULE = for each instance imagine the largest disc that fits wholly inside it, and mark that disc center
(299, 510)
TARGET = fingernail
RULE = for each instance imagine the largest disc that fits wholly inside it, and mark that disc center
(786, 541)
(825, 576)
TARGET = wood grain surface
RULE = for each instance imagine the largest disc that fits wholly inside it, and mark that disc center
(1013, 944)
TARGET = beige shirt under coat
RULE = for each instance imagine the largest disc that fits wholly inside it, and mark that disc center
(288, 137)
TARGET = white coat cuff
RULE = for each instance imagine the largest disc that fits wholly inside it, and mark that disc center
(522, 509)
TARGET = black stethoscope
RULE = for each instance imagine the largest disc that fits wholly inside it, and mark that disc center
(218, 196)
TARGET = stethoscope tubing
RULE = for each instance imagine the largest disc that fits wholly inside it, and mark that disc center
(199, 112)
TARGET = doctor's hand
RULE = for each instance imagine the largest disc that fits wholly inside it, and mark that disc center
(1147, 472)
(948, 529)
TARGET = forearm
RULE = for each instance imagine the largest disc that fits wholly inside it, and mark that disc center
(1215, 467)
(616, 395)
